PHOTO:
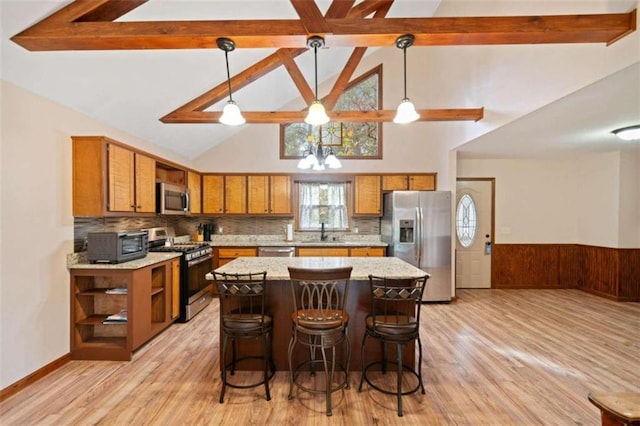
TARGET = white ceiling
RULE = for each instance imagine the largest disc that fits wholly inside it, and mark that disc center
(131, 90)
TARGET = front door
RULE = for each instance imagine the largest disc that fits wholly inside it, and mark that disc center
(474, 232)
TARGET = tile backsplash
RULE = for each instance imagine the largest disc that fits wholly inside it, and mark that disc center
(188, 225)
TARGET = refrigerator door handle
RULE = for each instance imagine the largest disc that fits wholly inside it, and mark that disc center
(418, 244)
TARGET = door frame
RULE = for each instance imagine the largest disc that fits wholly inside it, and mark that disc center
(493, 215)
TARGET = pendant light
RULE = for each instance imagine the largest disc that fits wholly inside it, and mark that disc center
(630, 133)
(317, 115)
(319, 158)
(231, 114)
(406, 112)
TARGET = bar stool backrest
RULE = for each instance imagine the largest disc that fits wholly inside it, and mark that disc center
(242, 301)
(395, 305)
(319, 295)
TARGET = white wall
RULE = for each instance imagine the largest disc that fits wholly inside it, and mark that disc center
(589, 200)
(36, 227)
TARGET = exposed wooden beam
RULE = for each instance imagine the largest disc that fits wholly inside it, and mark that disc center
(110, 10)
(311, 16)
(339, 8)
(351, 32)
(284, 117)
(297, 77)
(238, 81)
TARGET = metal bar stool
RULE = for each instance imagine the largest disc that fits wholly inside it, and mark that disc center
(394, 319)
(242, 316)
(320, 322)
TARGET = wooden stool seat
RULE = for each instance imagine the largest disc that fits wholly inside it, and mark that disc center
(617, 408)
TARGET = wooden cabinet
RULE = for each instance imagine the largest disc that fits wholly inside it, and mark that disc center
(213, 194)
(323, 251)
(144, 296)
(415, 182)
(235, 194)
(269, 194)
(227, 254)
(367, 252)
(175, 289)
(111, 179)
(194, 184)
(367, 195)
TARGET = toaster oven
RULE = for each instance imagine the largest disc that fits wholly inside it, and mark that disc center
(116, 247)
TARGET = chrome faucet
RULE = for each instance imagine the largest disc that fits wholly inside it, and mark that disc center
(323, 236)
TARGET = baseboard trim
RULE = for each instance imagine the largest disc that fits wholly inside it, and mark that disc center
(34, 377)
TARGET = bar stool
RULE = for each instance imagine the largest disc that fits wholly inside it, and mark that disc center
(242, 316)
(394, 319)
(320, 322)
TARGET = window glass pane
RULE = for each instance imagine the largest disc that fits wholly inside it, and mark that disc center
(323, 203)
(466, 221)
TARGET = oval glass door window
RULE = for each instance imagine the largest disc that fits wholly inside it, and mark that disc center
(466, 221)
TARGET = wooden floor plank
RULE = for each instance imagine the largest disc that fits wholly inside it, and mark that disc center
(497, 357)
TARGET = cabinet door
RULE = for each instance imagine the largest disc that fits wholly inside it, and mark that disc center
(212, 194)
(367, 252)
(367, 195)
(145, 184)
(175, 289)
(195, 191)
(394, 182)
(235, 194)
(422, 182)
(121, 179)
(280, 195)
(258, 194)
(323, 252)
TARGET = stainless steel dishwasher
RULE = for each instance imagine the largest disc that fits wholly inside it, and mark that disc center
(281, 251)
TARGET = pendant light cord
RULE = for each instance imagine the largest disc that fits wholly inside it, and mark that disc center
(226, 59)
(315, 55)
(404, 49)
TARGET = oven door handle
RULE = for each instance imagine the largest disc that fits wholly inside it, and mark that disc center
(198, 260)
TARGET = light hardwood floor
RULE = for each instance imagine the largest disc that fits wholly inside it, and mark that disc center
(495, 357)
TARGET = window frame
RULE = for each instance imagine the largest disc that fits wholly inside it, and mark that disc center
(324, 179)
(375, 70)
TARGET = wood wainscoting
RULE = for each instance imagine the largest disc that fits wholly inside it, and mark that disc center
(608, 272)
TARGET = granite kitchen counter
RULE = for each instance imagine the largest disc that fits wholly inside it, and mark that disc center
(276, 267)
(79, 261)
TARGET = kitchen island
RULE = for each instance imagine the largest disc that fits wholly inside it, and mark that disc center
(280, 303)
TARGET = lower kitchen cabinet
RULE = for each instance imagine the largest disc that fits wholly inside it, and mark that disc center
(227, 254)
(367, 252)
(142, 297)
(323, 251)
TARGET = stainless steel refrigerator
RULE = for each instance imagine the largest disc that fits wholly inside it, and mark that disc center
(417, 227)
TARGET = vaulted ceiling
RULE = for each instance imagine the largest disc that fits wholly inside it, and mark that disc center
(275, 34)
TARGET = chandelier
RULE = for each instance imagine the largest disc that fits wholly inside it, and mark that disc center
(316, 158)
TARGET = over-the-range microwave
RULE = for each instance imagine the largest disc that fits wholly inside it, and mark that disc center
(172, 199)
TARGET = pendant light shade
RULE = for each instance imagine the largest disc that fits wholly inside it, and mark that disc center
(406, 112)
(317, 116)
(231, 114)
(630, 133)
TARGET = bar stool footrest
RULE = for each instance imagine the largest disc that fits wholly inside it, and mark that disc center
(340, 369)
(272, 372)
(405, 369)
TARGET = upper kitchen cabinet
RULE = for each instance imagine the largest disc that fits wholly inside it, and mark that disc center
(413, 182)
(269, 194)
(194, 183)
(367, 195)
(235, 194)
(111, 179)
(213, 194)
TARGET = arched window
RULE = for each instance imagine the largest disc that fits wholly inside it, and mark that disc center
(466, 221)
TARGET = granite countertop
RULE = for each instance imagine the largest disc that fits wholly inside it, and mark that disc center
(278, 241)
(79, 261)
(276, 267)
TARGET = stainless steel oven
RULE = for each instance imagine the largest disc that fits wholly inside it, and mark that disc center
(196, 292)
